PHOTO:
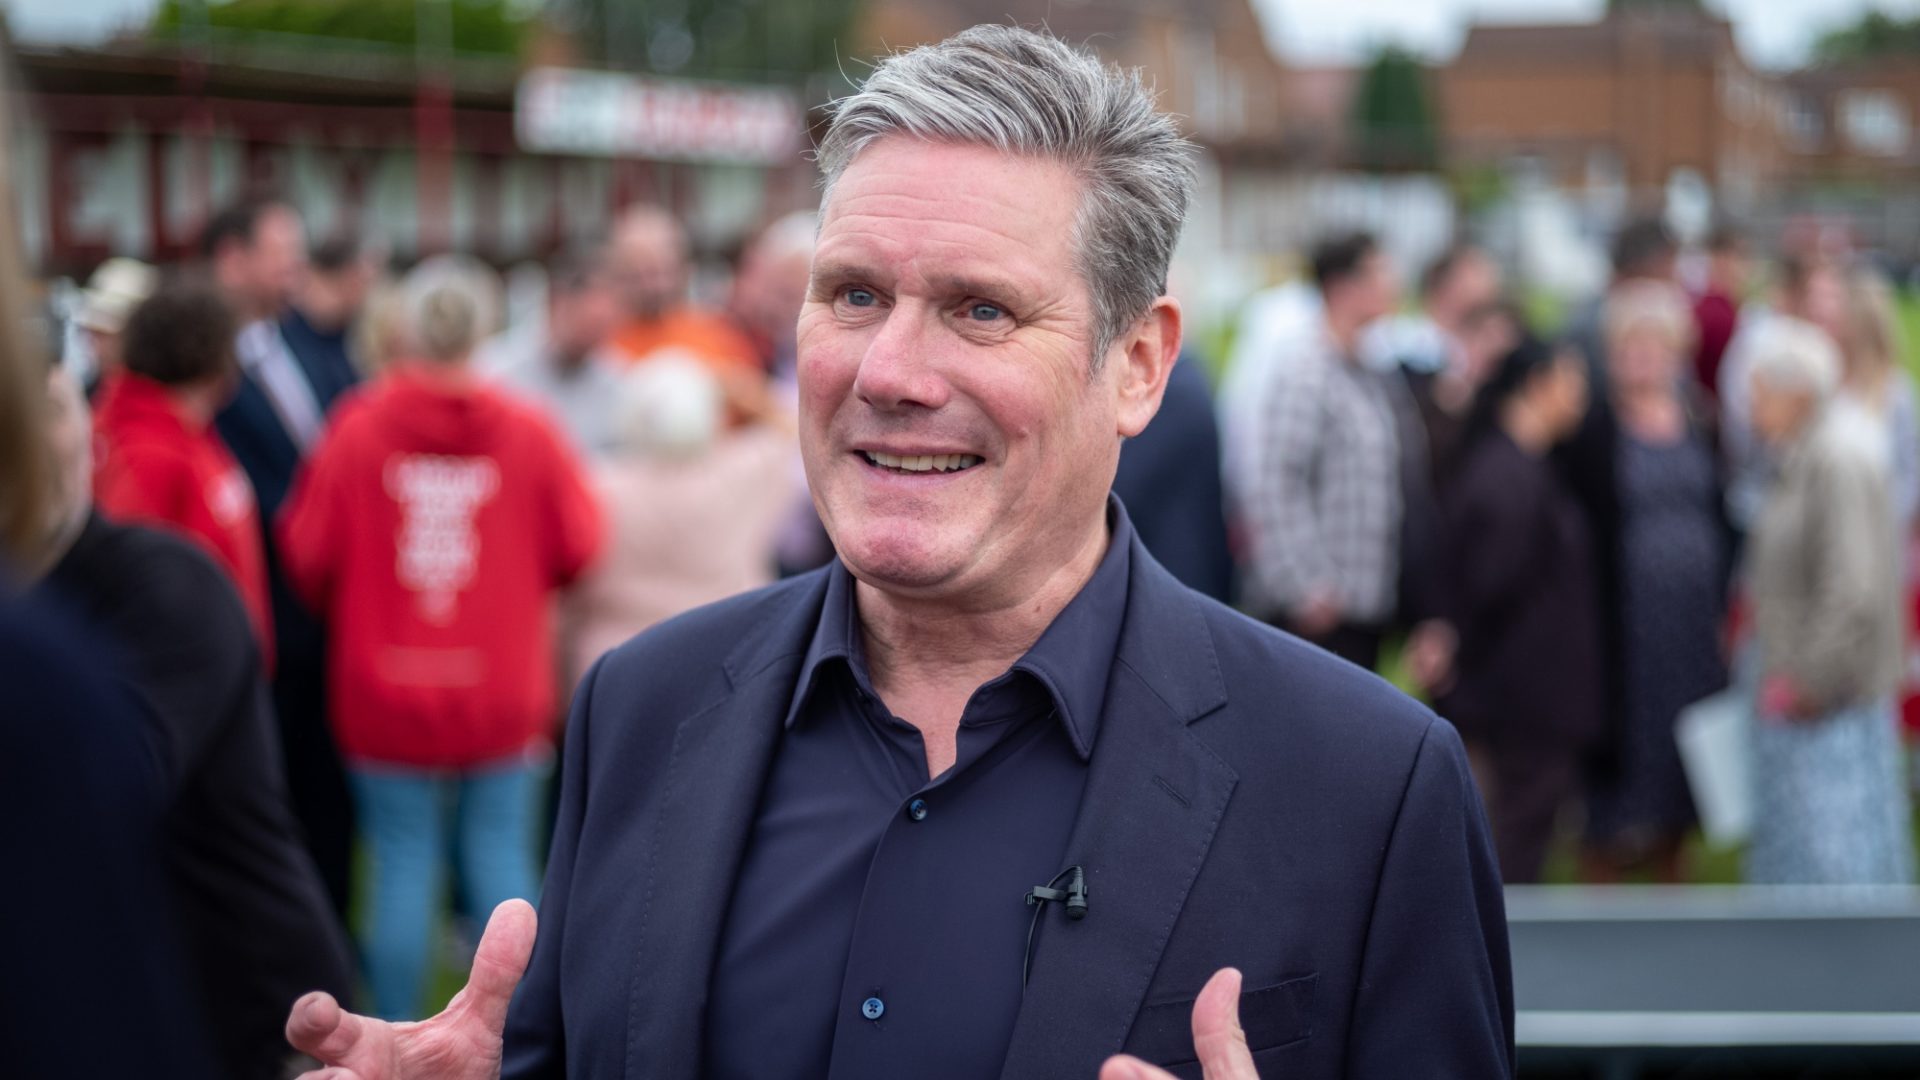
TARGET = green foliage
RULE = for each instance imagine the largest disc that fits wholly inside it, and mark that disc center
(1643, 5)
(718, 38)
(1393, 121)
(1876, 34)
(492, 27)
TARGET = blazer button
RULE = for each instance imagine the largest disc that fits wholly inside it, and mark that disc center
(873, 1008)
(917, 809)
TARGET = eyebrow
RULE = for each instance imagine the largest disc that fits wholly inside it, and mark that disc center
(983, 285)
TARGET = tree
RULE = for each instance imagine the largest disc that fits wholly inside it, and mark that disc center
(1393, 123)
(1876, 34)
(719, 38)
(1643, 5)
(488, 27)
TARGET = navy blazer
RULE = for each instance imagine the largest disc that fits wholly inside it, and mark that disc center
(1169, 477)
(1251, 801)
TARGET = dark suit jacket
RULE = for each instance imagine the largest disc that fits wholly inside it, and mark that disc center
(1251, 801)
(1169, 477)
(251, 428)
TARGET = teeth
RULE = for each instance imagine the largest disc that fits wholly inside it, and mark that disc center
(923, 462)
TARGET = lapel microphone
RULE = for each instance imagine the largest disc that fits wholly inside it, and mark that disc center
(1075, 894)
(1075, 898)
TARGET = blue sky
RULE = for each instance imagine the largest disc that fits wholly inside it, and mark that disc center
(1773, 33)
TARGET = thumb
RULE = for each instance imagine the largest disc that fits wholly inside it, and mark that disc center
(501, 959)
(1217, 1038)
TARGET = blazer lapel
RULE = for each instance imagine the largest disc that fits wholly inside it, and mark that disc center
(719, 763)
(1154, 796)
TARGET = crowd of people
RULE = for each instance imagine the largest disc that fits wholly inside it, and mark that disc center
(1683, 495)
(355, 544)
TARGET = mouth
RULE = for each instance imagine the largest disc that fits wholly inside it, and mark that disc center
(920, 464)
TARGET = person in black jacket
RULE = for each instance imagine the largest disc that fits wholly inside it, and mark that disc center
(1528, 678)
(253, 914)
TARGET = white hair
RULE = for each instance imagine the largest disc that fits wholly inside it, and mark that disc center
(669, 405)
(1795, 356)
(1031, 94)
(449, 303)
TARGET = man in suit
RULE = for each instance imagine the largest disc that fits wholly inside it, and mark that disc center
(992, 794)
(256, 254)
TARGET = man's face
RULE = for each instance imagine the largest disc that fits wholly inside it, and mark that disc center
(580, 320)
(1372, 290)
(649, 267)
(945, 319)
(1473, 285)
(276, 260)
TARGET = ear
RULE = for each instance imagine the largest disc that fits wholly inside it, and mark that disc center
(1141, 361)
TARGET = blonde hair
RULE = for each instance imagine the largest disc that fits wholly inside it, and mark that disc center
(26, 474)
(1873, 345)
(451, 303)
(1649, 305)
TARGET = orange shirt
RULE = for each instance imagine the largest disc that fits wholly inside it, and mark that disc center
(717, 342)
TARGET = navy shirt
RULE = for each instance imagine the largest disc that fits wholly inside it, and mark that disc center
(879, 923)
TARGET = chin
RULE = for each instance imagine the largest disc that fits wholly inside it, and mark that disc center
(899, 555)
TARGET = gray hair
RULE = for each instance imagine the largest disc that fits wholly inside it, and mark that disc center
(1794, 356)
(1031, 94)
(449, 303)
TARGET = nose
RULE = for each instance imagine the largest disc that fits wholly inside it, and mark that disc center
(899, 370)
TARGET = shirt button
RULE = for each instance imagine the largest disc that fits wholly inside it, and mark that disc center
(873, 1008)
(917, 809)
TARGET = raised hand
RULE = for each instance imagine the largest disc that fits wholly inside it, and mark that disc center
(462, 1043)
(1217, 1038)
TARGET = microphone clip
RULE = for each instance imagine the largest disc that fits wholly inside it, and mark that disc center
(1074, 895)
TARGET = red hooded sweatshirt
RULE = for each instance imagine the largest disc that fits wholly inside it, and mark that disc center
(430, 529)
(155, 466)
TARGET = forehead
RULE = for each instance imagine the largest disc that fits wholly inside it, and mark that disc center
(933, 211)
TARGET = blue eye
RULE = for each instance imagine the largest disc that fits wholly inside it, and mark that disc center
(984, 312)
(860, 298)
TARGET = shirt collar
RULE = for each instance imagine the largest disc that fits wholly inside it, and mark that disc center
(1072, 659)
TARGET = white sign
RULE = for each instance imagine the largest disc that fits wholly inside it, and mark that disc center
(602, 113)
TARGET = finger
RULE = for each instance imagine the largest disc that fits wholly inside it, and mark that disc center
(329, 1074)
(1128, 1067)
(501, 959)
(318, 1026)
(1217, 1038)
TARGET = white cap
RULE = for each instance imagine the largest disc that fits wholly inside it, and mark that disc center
(115, 289)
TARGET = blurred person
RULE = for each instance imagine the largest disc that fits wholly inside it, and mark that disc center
(769, 289)
(1671, 554)
(1643, 250)
(255, 916)
(1169, 477)
(86, 926)
(1811, 291)
(1526, 688)
(797, 812)
(1716, 311)
(1830, 804)
(1324, 506)
(380, 338)
(1271, 322)
(318, 325)
(115, 289)
(561, 362)
(692, 508)
(256, 251)
(1875, 382)
(430, 531)
(648, 258)
(161, 461)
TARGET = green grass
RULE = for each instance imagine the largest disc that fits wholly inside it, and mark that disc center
(1907, 307)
